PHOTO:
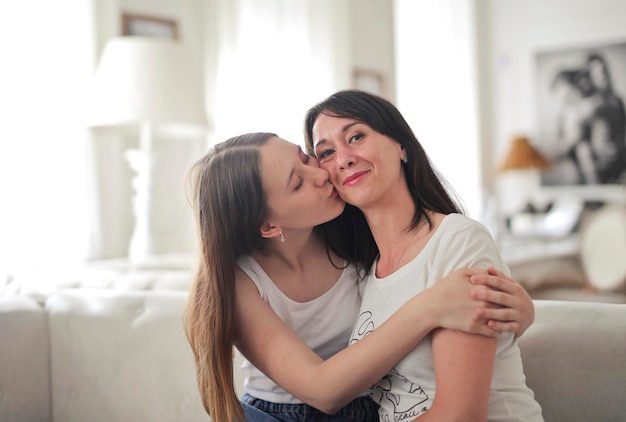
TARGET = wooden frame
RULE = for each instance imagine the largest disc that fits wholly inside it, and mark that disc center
(369, 80)
(148, 26)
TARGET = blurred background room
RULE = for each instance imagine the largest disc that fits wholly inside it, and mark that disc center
(105, 103)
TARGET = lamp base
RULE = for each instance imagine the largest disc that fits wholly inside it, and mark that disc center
(141, 242)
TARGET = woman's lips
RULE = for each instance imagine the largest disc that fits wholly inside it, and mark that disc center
(353, 178)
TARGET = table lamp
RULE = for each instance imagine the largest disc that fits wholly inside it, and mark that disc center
(519, 174)
(149, 83)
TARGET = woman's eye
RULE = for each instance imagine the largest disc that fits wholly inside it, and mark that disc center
(355, 138)
(324, 154)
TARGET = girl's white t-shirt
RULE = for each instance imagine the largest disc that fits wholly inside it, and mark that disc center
(324, 324)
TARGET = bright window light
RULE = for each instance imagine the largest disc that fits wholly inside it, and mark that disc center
(47, 58)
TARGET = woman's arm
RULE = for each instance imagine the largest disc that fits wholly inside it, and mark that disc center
(464, 363)
(271, 346)
(463, 368)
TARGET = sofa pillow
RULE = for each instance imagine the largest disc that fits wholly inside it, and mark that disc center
(603, 248)
(550, 272)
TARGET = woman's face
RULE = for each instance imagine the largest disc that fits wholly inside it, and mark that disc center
(298, 191)
(364, 165)
(598, 75)
(567, 93)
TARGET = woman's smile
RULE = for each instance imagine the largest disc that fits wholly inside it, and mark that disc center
(354, 178)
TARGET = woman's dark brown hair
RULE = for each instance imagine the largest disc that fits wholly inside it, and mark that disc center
(349, 234)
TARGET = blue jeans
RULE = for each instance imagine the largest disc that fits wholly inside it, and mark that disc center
(361, 409)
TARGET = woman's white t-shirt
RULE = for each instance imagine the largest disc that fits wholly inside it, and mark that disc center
(408, 390)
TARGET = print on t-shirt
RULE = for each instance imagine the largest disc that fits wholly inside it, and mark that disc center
(382, 391)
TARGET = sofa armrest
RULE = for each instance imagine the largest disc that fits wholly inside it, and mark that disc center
(120, 356)
(24, 364)
(575, 360)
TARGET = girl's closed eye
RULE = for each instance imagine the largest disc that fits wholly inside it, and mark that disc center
(299, 185)
(311, 160)
(306, 159)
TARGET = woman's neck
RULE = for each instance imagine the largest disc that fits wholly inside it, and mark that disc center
(397, 241)
(390, 219)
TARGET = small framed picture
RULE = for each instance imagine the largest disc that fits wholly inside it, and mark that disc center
(148, 26)
(369, 80)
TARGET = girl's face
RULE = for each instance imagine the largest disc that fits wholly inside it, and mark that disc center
(364, 165)
(298, 191)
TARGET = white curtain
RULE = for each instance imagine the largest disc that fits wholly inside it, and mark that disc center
(47, 57)
(273, 60)
(437, 89)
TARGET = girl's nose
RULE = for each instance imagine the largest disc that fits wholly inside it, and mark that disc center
(320, 176)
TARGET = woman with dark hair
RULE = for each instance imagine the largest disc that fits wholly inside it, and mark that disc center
(417, 233)
(571, 157)
(608, 146)
(270, 285)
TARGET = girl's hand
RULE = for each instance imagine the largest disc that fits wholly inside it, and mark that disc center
(454, 308)
(511, 308)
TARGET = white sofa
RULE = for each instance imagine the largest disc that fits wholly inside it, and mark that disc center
(121, 355)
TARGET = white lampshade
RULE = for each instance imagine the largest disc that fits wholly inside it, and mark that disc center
(147, 80)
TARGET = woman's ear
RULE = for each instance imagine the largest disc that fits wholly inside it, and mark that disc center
(403, 155)
(268, 230)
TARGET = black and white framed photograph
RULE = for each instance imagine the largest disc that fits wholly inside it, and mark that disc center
(581, 122)
(148, 26)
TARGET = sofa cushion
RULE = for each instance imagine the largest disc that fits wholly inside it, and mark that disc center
(575, 360)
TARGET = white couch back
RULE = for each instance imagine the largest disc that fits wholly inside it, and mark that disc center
(575, 360)
(116, 356)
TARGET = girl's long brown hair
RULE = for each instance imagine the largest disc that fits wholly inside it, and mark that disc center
(229, 206)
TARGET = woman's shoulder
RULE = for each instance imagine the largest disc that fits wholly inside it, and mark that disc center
(458, 220)
(461, 224)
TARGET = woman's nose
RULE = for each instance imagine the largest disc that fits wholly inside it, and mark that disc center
(345, 159)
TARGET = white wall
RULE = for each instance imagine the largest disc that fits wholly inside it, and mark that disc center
(511, 32)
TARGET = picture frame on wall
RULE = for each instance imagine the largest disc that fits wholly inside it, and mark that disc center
(369, 80)
(580, 115)
(149, 26)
